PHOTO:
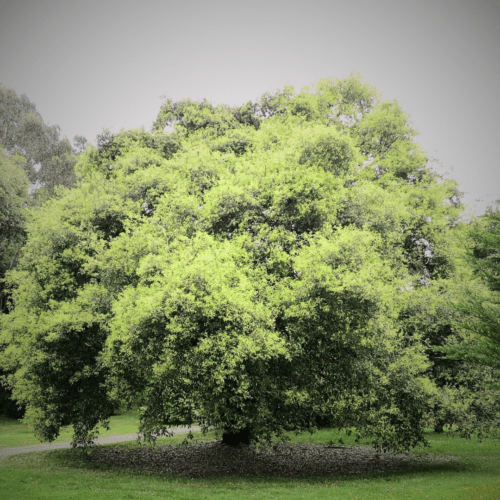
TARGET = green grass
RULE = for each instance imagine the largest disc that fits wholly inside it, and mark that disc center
(14, 433)
(63, 474)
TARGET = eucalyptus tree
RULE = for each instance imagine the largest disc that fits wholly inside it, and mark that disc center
(49, 159)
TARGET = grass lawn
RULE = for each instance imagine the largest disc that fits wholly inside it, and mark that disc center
(14, 433)
(64, 474)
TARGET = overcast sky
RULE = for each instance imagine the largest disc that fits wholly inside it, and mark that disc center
(104, 64)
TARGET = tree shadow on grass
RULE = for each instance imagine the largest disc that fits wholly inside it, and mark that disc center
(214, 459)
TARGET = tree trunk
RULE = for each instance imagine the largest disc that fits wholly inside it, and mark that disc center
(232, 438)
(438, 427)
(322, 422)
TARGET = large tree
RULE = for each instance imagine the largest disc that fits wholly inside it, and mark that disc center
(246, 271)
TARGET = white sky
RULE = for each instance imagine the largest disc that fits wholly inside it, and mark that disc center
(104, 64)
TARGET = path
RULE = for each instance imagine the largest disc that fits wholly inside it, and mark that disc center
(5, 452)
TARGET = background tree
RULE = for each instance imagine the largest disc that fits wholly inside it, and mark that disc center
(246, 271)
(12, 109)
(49, 159)
(13, 201)
(480, 301)
(466, 401)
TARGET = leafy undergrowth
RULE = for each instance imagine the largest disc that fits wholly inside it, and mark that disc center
(15, 433)
(473, 474)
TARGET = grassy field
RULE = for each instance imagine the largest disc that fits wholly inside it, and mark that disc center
(63, 474)
(14, 433)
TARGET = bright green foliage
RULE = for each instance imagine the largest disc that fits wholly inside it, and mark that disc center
(61, 313)
(246, 271)
(189, 116)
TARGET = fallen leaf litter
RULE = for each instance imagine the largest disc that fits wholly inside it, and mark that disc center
(214, 459)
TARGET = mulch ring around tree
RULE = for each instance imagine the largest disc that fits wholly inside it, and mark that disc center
(214, 459)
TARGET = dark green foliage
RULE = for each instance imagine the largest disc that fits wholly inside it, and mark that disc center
(13, 199)
(486, 251)
(465, 398)
(9, 407)
(480, 301)
(189, 116)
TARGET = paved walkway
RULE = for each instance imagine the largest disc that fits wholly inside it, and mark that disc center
(5, 452)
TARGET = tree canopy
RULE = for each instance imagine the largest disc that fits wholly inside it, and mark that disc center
(249, 270)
